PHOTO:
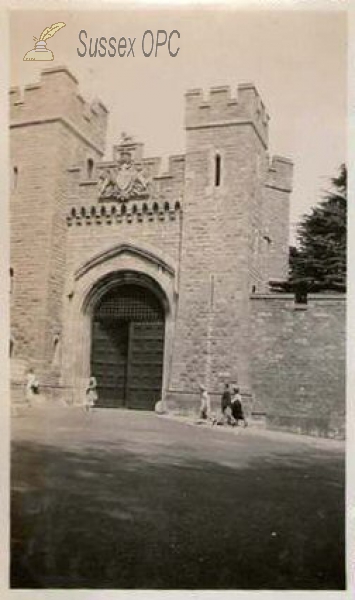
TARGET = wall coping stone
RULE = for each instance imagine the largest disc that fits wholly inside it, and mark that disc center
(290, 296)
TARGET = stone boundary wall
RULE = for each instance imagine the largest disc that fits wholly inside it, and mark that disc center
(298, 362)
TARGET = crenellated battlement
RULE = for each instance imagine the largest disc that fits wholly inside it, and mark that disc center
(176, 164)
(280, 174)
(127, 176)
(56, 96)
(201, 231)
(220, 107)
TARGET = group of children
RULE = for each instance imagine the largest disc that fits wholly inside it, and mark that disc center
(231, 401)
(231, 407)
(32, 389)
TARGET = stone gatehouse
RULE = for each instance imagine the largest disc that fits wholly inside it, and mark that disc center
(154, 280)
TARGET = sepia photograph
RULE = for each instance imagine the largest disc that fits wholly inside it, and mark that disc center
(177, 294)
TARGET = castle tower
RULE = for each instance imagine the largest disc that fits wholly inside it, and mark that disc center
(52, 128)
(225, 237)
(226, 233)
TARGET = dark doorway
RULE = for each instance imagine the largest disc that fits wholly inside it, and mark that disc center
(128, 347)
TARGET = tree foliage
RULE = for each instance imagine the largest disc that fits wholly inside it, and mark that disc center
(319, 263)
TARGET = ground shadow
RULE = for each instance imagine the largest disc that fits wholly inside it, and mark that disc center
(111, 518)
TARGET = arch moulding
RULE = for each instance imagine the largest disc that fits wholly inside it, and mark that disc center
(87, 284)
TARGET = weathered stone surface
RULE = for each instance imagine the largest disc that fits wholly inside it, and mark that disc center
(298, 360)
(206, 241)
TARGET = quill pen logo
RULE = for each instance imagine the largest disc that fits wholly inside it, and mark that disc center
(40, 51)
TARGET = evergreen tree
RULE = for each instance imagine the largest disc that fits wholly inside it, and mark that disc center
(319, 263)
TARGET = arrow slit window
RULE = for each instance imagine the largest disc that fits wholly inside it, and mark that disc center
(217, 180)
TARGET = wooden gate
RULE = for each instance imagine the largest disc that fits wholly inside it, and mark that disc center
(128, 348)
(145, 364)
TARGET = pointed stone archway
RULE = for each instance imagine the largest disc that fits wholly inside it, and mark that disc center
(127, 342)
(131, 273)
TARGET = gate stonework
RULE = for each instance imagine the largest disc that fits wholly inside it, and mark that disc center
(206, 235)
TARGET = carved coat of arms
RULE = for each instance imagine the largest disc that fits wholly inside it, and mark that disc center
(123, 181)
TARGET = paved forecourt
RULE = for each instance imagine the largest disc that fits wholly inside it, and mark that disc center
(123, 499)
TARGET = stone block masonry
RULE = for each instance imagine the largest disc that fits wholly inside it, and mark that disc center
(51, 128)
(298, 362)
(204, 238)
(226, 223)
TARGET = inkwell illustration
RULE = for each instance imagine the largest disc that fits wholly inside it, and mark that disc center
(40, 51)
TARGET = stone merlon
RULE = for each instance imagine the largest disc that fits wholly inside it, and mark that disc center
(219, 107)
(280, 174)
(56, 97)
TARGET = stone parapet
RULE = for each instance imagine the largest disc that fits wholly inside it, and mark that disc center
(57, 96)
(220, 108)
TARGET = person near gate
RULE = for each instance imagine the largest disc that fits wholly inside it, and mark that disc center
(32, 387)
(226, 407)
(237, 408)
(205, 403)
(91, 396)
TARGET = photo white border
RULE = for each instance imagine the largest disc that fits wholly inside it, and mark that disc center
(69, 594)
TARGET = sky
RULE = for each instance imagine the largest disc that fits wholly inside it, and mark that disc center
(296, 59)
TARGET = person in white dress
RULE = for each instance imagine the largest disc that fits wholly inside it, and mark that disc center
(91, 396)
(205, 403)
(32, 387)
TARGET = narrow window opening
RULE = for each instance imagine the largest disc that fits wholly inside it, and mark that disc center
(90, 168)
(15, 178)
(217, 170)
(253, 289)
(12, 345)
(11, 280)
(56, 350)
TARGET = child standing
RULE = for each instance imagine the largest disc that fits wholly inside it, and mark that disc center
(205, 403)
(226, 407)
(91, 395)
(32, 387)
(237, 408)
